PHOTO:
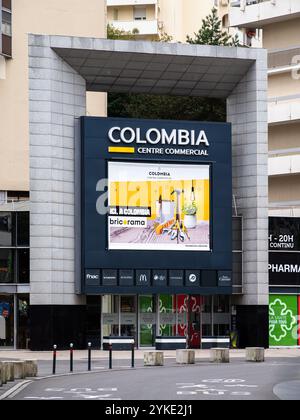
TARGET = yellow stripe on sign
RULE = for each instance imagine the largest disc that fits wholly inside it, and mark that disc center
(121, 150)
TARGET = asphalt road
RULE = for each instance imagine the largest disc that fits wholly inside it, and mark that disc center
(273, 380)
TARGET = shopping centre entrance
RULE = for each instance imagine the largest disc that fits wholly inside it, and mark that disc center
(145, 317)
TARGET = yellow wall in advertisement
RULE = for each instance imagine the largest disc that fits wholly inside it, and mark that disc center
(148, 193)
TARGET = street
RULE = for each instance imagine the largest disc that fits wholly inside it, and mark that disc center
(275, 379)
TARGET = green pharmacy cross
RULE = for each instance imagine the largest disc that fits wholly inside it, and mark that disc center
(283, 320)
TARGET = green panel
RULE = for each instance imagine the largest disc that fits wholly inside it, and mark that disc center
(146, 331)
(283, 313)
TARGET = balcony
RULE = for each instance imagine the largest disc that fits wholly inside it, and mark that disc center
(282, 58)
(284, 110)
(281, 163)
(118, 3)
(258, 13)
(144, 27)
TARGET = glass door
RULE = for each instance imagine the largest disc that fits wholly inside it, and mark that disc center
(167, 315)
(110, 315)
(195, 321)
(147, 321)
(128, 316)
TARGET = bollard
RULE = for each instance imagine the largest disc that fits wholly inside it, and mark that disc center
(110, 356)
(89, 357)
(255, 354)
(9, 368)
(154, 358)
(54, 360)
(132, 355)
(71, 357)
(219, 355)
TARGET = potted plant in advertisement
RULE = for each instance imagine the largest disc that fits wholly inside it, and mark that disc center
(190, 215)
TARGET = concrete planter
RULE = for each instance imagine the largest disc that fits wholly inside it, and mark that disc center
(255, 354)
(219, 356)
(30, 368)
(153, 358)
(1, 373)
(8, 367)
(19, 370)
(185, 357)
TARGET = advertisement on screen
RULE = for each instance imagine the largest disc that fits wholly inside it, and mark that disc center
(159, 206)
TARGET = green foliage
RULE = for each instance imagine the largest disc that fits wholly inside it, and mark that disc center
(114, 33)
(166, 107)
(190, 209)
(211, 33)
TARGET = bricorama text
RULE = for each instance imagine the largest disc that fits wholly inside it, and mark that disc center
(137, 222)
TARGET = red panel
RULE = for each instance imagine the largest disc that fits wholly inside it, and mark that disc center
(182, 302)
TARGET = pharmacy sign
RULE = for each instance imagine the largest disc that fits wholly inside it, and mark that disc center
(283, 312)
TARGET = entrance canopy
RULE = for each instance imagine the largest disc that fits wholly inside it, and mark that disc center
(155, 68)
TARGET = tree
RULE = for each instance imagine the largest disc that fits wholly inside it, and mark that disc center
(166, 107)
(211, 33)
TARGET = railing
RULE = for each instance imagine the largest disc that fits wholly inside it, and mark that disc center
(241, 3)
(281, 99)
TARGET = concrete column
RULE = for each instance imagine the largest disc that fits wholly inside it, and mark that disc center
(247, 111)
(57, 97)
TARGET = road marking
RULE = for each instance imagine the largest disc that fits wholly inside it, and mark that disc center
(82, 393)
(215, 387)
(43, 398)
(11, 393)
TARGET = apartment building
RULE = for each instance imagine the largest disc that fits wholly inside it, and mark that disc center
(279, 20)
(151, 18)
(279, 23)
(17, 19)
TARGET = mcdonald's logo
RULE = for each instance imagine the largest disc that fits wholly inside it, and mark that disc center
(143, 278)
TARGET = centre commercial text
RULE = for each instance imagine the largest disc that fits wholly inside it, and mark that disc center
(153, 136)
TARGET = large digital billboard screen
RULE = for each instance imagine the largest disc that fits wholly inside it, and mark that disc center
(158, 206)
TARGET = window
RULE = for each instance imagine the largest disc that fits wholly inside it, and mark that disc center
(116, 14)
(23, 322)
(17, 196)
(6, 320)
(6, 266)
(23, 266)
(14, 247)
(23, 229)
(140, 13)
(6, 229)
(6, 23)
